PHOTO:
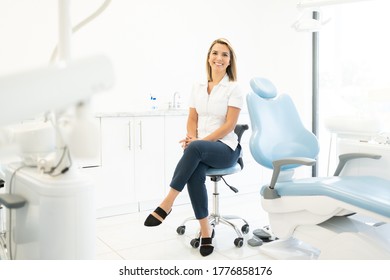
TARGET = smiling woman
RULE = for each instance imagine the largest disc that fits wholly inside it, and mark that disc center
(210, 139)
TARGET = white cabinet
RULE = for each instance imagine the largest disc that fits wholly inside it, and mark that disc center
(132, 160)
(116, 188)
(175, 130)
(149, 159)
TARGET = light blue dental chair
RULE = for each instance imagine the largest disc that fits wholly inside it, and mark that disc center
(337, 217)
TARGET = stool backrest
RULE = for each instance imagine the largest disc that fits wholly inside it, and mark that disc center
(239, 130)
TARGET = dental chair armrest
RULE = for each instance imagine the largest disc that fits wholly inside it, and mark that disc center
(12, 201)
(270, 192)
(344, 158)
(277, 164)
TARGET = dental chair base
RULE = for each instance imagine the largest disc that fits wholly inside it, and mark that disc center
(58, 220)
(338, 238)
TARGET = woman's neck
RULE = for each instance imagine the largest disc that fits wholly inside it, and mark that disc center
(217, 77)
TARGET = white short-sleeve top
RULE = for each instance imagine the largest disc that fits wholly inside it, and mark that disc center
(212, 108)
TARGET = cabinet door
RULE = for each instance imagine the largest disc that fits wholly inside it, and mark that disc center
(117, 180)
(149, 159)
(175, 130)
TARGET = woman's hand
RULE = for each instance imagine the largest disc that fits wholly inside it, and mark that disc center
(186, 141)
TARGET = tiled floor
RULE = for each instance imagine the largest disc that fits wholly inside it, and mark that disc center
(125, 237)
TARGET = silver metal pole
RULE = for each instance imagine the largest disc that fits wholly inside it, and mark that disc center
(315, 85)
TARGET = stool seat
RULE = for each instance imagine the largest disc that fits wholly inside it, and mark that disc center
(223, 171)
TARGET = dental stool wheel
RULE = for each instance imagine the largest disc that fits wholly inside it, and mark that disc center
(181, 230)
(195, 242)
(245, 229)
(239, 241)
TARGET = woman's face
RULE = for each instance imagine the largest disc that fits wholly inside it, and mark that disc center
(219, 58)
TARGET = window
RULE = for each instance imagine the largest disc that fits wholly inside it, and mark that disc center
(354, 61)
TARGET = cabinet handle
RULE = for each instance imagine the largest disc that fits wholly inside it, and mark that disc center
(129, 127)
(140, 135)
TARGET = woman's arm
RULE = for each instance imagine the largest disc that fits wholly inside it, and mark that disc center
(192, 128)
(228, 126)
(192, 123)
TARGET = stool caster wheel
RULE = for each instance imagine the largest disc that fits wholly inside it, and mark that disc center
(181, 230)
(195, 242)
(245, 229)
(239, 242)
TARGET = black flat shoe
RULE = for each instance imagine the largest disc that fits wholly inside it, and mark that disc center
(152, 221)
(206, 248)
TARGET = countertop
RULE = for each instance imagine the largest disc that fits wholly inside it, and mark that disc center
(147, 113)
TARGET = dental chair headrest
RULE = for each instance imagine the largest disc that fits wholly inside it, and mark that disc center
(263, 87)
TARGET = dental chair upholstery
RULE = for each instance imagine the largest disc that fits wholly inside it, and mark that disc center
(215, 175)
(313, 213)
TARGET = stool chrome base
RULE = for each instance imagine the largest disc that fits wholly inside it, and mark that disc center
(215, 218)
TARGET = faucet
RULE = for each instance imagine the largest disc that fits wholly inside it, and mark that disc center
(176, 100)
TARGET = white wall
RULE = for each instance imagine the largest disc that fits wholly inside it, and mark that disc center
(159, 46)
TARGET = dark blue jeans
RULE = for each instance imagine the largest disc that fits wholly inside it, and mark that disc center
(191, 170)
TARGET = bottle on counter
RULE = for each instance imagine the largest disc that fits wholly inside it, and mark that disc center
(153, 103)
